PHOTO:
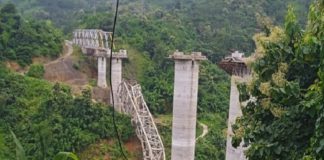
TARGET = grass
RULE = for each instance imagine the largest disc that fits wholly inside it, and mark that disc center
(134, 67)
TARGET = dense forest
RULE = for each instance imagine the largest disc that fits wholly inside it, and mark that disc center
(47, 119)
(150, 31)
(21, 39)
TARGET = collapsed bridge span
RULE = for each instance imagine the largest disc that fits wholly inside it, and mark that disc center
(133, 103)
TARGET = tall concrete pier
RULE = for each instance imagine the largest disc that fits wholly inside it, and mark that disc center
(95, 43)
(101, 55)
(234, 112)
(185, 105)
(116, 75)
(102, 82)
(235, 66)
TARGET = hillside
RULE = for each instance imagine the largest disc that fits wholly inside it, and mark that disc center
(217, 27)
(47, 118)
(152, 30)
(22, 40)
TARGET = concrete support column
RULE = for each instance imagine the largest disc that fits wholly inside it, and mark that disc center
(116, 76)
(102, 82)
(234, 112)
(185, 105)
(116, 79)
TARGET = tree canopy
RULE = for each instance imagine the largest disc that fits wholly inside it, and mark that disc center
(21, 40)
(48, 119)
(283, 118)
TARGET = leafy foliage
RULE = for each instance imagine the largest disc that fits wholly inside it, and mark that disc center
(3, 147)
(22, 40)
(283, 120)
(36, 71)
(20, 152)
(212, 146)
(48, 119)
(65, 156)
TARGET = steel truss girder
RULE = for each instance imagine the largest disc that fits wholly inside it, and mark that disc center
(91, 38)
(133, 103)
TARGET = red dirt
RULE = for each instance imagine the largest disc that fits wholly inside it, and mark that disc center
(14, 66)
(99, 150)
(133, 145)
(62, 70)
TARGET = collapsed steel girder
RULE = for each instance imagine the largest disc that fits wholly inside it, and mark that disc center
(131, 97)
(134, 104)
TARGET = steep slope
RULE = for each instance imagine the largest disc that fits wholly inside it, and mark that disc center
(62, 70)
(47, 118)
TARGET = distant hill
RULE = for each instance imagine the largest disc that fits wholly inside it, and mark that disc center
(220, 26)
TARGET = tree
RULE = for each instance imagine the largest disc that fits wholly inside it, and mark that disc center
(22, 40)
(283, 117)
(9, 9)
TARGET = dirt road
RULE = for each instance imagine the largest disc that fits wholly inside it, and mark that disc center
(205, 131)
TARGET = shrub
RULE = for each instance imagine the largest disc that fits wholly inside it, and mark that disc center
(36, 71)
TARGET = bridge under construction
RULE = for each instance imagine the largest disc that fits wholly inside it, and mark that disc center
(130, 100)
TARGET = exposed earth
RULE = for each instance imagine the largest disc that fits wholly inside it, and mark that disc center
(80, 74)
(68, 70)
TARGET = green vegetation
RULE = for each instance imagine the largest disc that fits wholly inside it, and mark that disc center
(150, 33)
(20, 152)
(65, 156)
(3, 148)
(36, 71)
(164, 126)
(21, 40)
(213, 145)
(213, 27)
(285, 119)
(107, 148)
(47, 119)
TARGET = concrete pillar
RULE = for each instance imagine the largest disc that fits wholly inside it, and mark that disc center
(185, 105)
(116, 76)
(102, 82)
(234, 112)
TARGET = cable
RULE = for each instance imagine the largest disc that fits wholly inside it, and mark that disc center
(110, 82)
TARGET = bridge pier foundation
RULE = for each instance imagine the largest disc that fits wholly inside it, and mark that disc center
(185, 105)
(102, 82)
(116, 76)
